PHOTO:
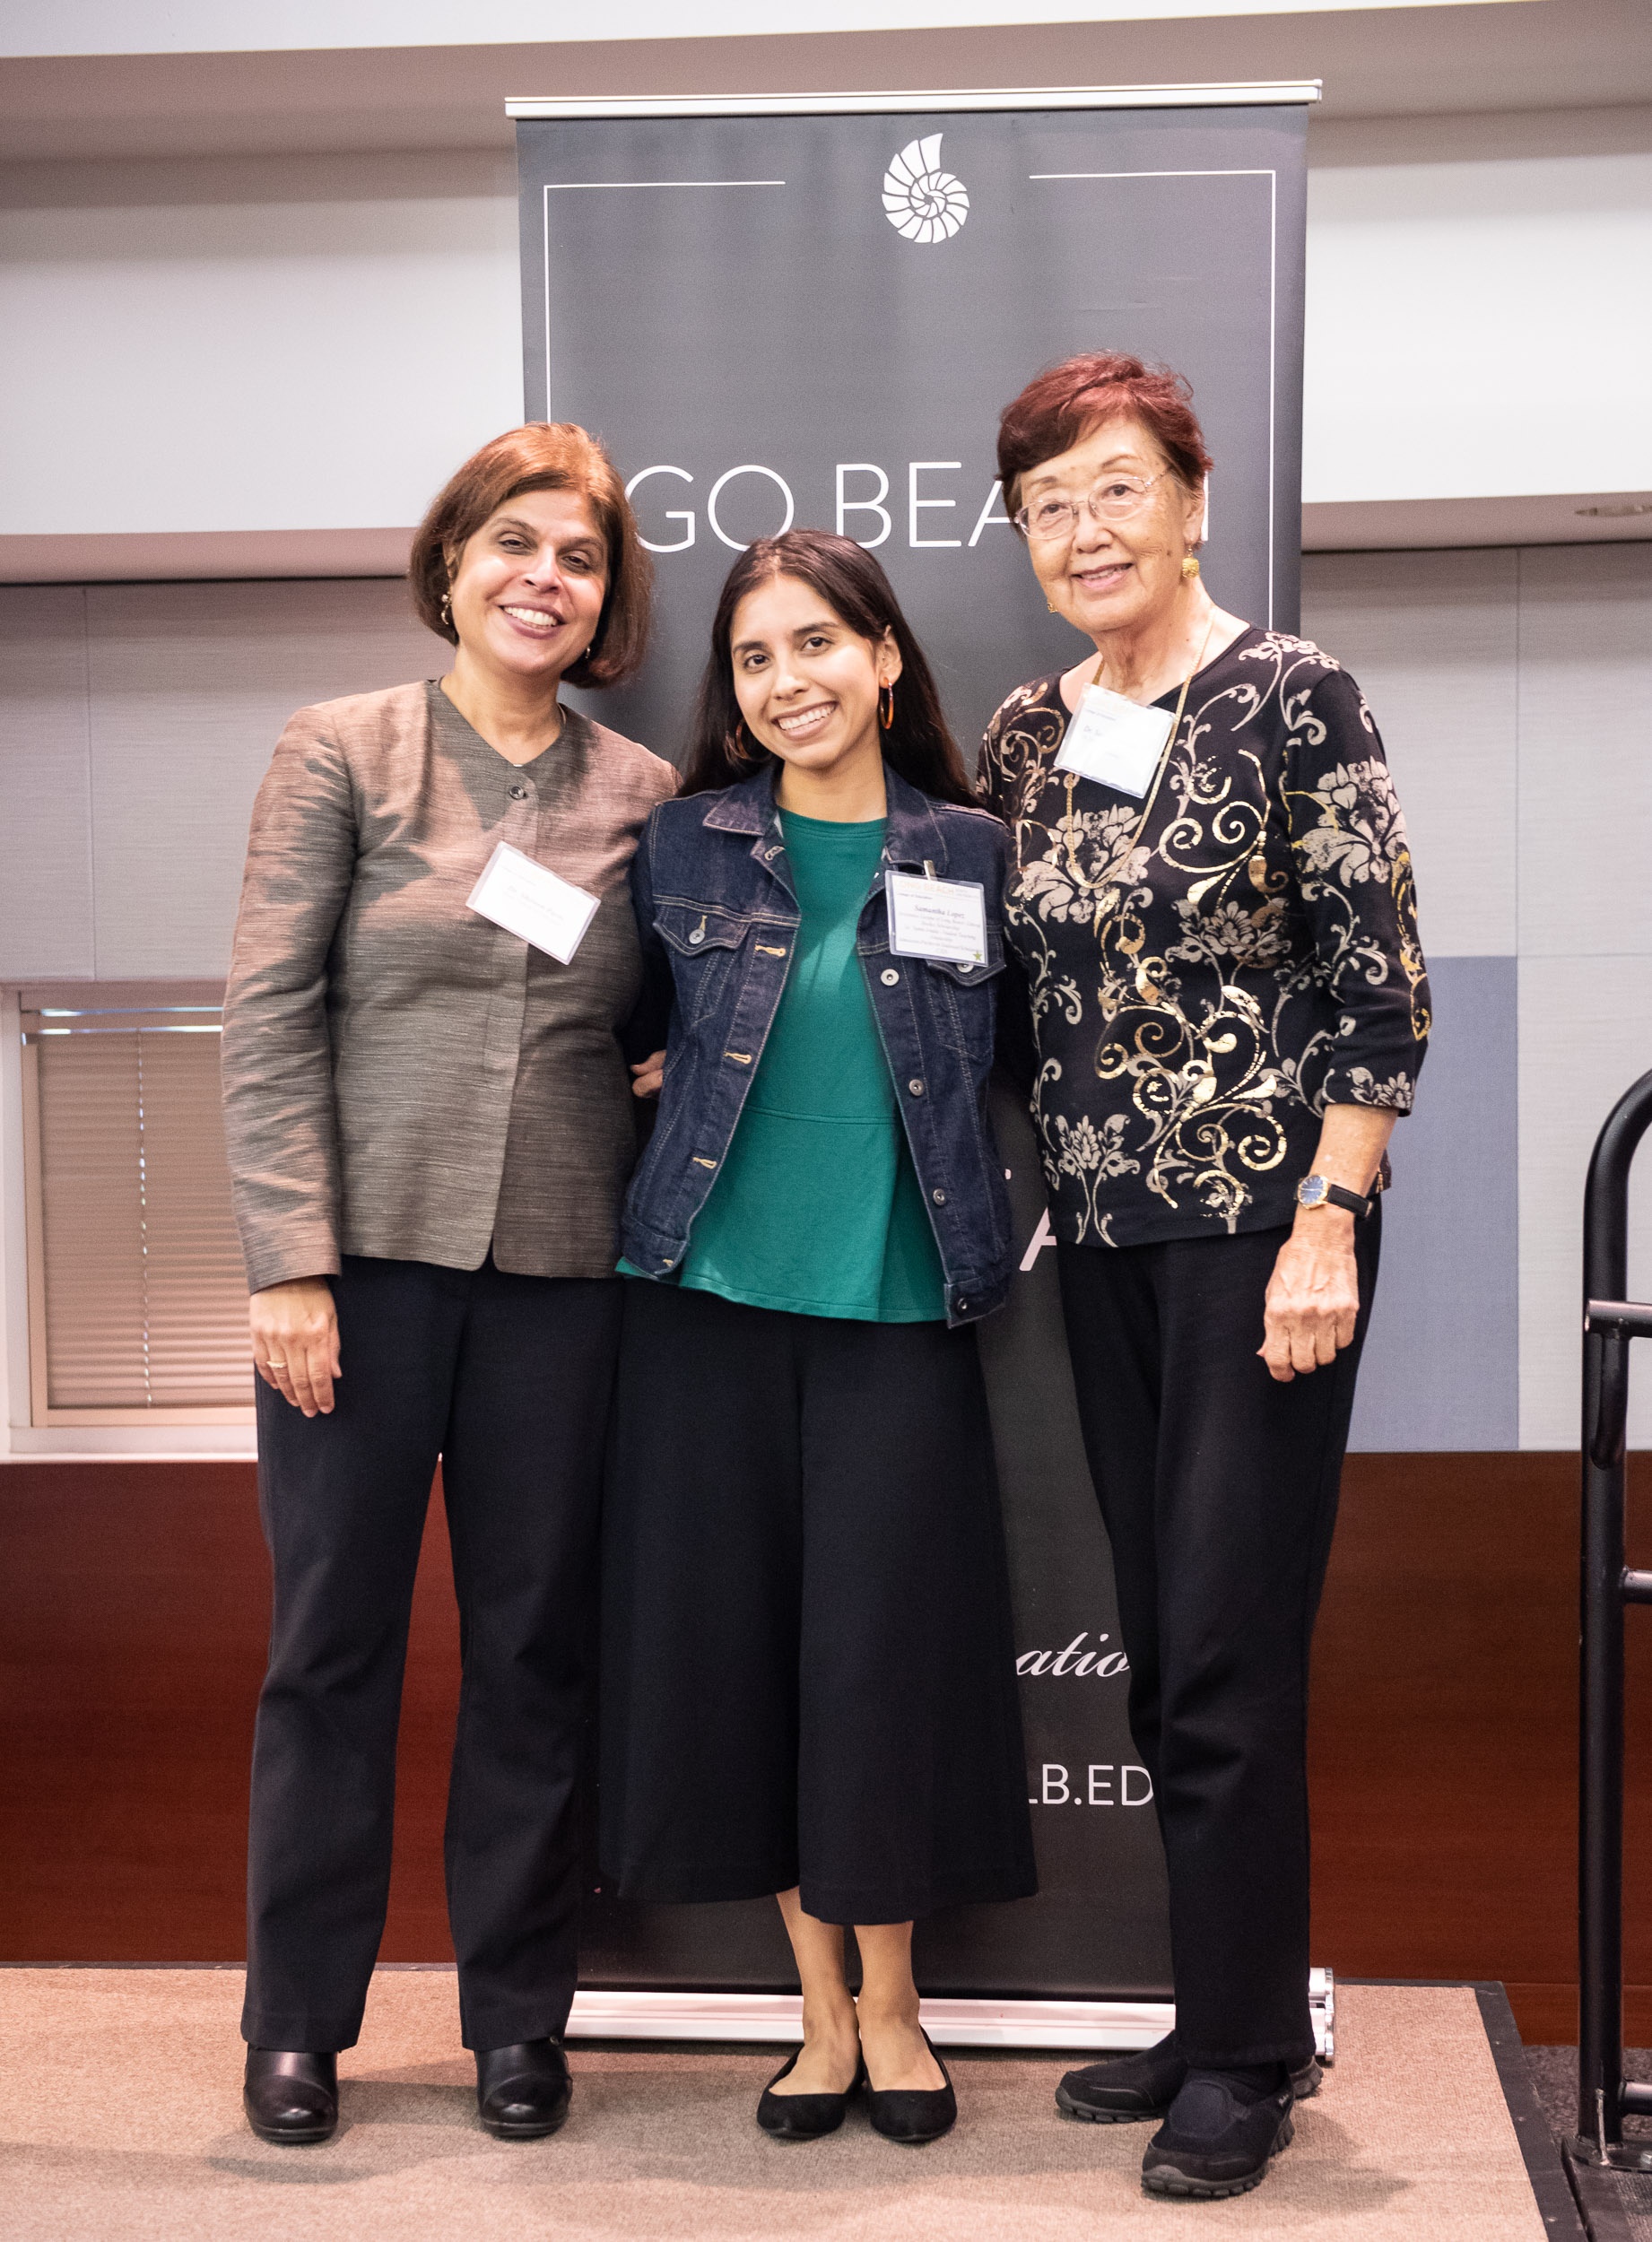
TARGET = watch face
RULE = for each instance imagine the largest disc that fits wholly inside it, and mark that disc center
(1311, 1190)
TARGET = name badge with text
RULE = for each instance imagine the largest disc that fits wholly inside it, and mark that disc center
(937, 918)
(1115, 740)
(529, 900)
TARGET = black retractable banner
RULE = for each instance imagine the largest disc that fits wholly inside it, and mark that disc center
(783, 320)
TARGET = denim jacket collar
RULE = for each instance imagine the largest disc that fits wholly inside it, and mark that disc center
(914, 836)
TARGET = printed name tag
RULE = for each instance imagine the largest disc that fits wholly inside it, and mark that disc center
(1115, 740)
(528, 900)
(937, 918)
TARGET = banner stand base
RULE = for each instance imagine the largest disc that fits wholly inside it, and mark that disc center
(1121, 2025)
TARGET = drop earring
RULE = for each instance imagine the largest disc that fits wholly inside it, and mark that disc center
(1190, 567)
(447, 610)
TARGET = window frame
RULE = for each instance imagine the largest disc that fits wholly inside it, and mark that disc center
(139, 1000)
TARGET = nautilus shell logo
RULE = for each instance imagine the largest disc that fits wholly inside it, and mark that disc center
(922, 202)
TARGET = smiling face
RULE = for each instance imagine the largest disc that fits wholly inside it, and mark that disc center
(807, 685)
(528, 588)
(1113, 575)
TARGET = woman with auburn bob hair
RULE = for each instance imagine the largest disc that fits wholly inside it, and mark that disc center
(808, 1675)
(1211, 899)
(428, 1129)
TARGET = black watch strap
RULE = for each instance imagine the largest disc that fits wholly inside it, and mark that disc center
(1315, 1190)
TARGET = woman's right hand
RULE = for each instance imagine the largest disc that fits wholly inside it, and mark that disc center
(649, 1074)
(295, 1342)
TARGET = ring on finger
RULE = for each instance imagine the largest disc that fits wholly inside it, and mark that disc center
(274, 1366)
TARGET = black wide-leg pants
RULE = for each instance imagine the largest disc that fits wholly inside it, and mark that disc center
(808, 1669)
(1219, 1490)
(507, 1378)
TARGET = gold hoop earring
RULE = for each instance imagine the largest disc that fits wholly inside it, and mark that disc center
(886, 716)
(1190, 568)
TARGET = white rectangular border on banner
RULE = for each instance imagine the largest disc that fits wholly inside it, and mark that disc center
(1262, 94)
(986, 2023)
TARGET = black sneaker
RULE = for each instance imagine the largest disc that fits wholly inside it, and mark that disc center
(1128, 2090)
(1216, 2141)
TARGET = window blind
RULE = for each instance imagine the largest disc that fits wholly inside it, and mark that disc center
(143, 1303)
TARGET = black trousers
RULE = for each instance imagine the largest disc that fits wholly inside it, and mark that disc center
(808, 1672)
(508, 1380)
(1219, 1490)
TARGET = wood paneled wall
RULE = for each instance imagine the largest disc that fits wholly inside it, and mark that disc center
(131, 1629)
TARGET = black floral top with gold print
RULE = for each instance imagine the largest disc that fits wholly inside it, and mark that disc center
(1213, 965)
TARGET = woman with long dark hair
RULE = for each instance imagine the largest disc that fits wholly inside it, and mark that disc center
(808, 1676)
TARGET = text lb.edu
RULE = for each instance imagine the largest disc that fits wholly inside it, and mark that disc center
(861, 488)
(1105, 1784)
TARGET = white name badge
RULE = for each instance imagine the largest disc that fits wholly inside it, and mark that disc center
(1115, 740)
(936, 918)
(528, 900)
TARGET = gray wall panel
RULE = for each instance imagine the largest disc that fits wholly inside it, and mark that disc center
(1441, 1361)
(1586, 751)
(1431, 638)
(1586, 1035)
(46, 887)
(190, 685)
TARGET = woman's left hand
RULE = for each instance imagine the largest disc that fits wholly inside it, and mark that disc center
(1313, 1296)
(648, 1074)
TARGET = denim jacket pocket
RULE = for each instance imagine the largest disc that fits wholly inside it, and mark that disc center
(965, 1000)
(704, 940)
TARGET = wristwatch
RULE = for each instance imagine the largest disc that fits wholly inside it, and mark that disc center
(1317, 1191)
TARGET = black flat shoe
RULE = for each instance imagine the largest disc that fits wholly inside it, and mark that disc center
(1129, 2089)
(1216, 2142)
(523, 2093)
(803, 2117)
(914, 2114)
(290, 2097)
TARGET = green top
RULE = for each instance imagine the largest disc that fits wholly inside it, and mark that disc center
(817, 1210)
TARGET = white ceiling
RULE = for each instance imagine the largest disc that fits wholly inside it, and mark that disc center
(182, 27)
(1490, 56)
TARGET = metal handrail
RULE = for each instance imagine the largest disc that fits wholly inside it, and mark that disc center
(1610, 1324)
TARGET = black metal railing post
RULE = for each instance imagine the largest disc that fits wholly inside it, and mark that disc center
(1610, 1322)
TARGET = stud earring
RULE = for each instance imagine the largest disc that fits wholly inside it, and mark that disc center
(1190, 568)
(1051, 606)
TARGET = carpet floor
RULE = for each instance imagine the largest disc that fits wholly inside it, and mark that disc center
(122, 2117)
(1555, 2074)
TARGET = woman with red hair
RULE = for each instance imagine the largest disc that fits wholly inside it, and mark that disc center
(1211, 899)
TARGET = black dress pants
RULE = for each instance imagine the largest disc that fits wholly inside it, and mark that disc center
(508, 1380)
(1219, 1490)
(808, 1668)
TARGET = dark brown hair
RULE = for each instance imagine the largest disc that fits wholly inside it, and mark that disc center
(1056, 407)
(917, 746)
(543, 455)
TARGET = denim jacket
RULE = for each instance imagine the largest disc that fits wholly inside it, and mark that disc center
(719, 918)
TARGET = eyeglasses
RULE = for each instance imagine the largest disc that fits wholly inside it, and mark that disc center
(1115, 499)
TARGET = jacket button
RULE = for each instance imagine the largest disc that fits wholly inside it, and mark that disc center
(966, 965)
(915, 1086)
(698, 934)
(888, 976)
(518, 794)
(939, 1197)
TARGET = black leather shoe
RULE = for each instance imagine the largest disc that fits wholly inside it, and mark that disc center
(803, 2117)
(914, 2114)
(1216, 2141)
(290, 2097)
(1129, 2089)
(523, 2093)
